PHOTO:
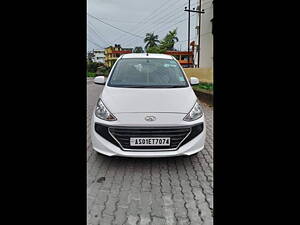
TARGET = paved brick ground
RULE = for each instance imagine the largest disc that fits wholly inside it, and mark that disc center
(149, 191)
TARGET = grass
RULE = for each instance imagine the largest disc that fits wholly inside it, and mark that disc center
(206, 86)
(90, 74)
(103, 72)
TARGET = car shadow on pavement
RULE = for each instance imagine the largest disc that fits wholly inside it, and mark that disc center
(142, 160)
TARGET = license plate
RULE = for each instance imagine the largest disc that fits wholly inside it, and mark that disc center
(150, 141)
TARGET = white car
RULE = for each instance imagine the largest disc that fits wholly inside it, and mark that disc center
(147, 109)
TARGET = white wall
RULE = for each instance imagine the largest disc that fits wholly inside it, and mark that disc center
(206, 37)
(98, 56)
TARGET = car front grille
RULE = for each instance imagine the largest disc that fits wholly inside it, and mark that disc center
(123, 136)
(120, 136)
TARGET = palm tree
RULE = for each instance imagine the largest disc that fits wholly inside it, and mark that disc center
(171, 36)
(169, 41)
(151, 40)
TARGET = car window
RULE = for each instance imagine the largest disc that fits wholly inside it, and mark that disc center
(154, 73)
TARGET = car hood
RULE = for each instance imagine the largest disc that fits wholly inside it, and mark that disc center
(135, 100)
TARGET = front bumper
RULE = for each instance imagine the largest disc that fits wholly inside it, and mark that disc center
(105, 147)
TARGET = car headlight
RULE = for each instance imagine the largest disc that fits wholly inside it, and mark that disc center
(195, 113)
(103, 113)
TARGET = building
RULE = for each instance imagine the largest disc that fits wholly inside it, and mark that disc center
(90, 56)
(206, 35)
(112, 53)
(182, 57)
(98, 56)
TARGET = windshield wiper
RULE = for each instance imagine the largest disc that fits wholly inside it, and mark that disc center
(132, 86)
(151, 86)
(154, 86)
(175, 86)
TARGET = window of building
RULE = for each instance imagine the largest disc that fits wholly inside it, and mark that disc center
(184, 57)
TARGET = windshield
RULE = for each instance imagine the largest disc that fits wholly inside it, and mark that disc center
(147, 73)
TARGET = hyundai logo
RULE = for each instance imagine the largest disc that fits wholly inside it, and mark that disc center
(150, 118)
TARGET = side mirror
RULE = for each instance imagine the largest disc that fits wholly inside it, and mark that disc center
(194, 81)
(100, 80)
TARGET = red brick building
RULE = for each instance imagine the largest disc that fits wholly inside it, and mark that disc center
(182, 57)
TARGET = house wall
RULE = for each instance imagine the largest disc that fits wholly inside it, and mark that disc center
(98, 56)
(206, 36)
(113, 53)
(203, 74)
(182, 57)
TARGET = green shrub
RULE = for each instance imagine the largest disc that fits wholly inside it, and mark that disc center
(92, 66)
(103, 71)
(206, 86)
(91, 74)
(96, 69)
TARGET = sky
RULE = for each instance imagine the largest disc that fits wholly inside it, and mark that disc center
(137, 17)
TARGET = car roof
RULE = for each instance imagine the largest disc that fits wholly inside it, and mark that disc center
(145, 55)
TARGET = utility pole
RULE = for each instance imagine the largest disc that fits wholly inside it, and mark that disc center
(198, 46)
(189, 21)
(199, 32)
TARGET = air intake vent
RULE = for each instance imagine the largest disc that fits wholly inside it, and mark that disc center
(120, 136)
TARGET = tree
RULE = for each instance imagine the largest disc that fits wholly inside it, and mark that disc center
(167, 44)
(138, 50)
(92, 66)
(151, 40)
(156, 49)
(169, 40)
